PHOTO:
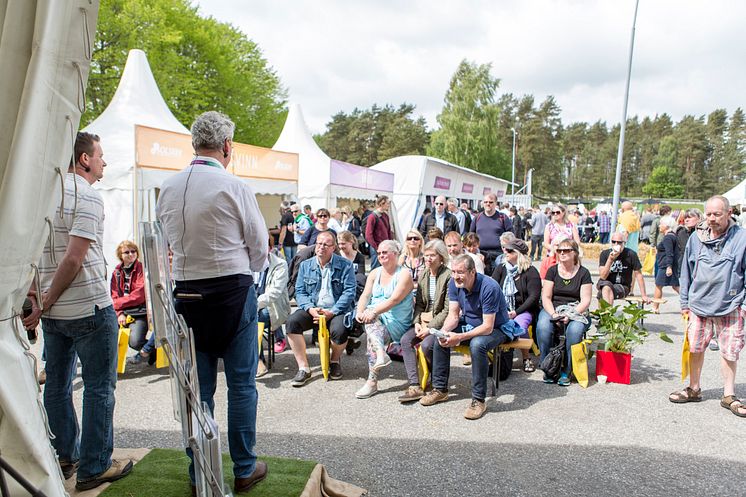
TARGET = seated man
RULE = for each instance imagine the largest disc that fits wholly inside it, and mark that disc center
(484, 308)
(325, 287)
(455, 247)
(616, 268)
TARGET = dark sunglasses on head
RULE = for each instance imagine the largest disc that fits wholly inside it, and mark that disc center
(617, 242)
(564, 251)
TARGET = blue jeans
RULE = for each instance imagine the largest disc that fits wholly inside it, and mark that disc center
(94, 340)
(545, 336)
(289, 252)
(263, 317)
(149, 346)
(373, 258)
(604, 237)
(239, 363)
(480, 364)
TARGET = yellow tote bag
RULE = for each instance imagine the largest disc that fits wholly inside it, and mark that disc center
(122, 344)
(324, 347)
(580, 362)
(685, 351)
(648, 265)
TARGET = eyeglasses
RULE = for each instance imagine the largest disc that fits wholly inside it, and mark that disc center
(564, 251)
(322, 215)
(325, 245)
(488, 202)
(508, 251)
(413, 238)
(129, 251)
(617, 242)
(384, 252)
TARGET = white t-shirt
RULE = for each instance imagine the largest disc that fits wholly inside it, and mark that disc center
(90, 286)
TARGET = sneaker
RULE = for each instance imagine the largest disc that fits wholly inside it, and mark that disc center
(414, 392)
(433, 397)
(301, 378)
(564, 380)
(280, 346)
(368, 390)
(117, 470)
(135, 359)
(714, 345)
(69, 468)
(475, 410)
(261, 369)
(335, 371)
(466, 358)
(352, 344)
(547, 379)
(528, 366)
(382, 361)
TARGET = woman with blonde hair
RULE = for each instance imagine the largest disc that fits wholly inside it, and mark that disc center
(559, 229)
(412, 259)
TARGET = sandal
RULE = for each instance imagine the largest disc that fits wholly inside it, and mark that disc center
(732, 403)
(685, 395)
(528, 366)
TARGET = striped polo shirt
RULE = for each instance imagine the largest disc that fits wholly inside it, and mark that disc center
(89, 288)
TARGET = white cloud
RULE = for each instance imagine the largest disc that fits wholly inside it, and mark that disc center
(337, 55)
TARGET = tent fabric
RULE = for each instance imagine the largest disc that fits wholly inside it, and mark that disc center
(137, 100)
(45, 50)
(418, 176)
(737, 194)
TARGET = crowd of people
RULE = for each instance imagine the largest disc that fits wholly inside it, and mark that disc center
(462, 277)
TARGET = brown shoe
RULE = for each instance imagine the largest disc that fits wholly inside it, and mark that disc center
(433, 397)
(245, 484)
(117, 470)
(261, 369)
(466, 358)
(475, 410)
(414, 392)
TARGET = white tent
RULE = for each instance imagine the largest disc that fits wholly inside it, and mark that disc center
(737, 194)
(136, 101)
(45, 51)
(416, 177)
(322, 180)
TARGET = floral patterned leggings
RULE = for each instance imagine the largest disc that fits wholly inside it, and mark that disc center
(378, 338)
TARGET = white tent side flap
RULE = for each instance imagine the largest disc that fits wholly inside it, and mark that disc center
(737, 194)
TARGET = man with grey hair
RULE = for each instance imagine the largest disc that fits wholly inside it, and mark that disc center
(460, 216)
(712, 298)
(439, 218)
(219, 239)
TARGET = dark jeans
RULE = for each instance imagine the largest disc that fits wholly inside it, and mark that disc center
(545, 337)
(289, 252)
(604, 237)
(480, 365)
(301, 320)
(536, 244)
(239, 363)
(94, 340)
(408, 341)
(138, 333)
(373, 257)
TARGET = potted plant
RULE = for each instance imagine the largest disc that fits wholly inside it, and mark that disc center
(621, 332)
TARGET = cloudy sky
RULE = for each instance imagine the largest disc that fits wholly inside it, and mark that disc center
(335, 55)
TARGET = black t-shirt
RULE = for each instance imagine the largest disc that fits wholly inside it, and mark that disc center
(287, 220)
(622, 268)
(567, 291)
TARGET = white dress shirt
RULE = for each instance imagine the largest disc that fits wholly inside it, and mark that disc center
(212, 222)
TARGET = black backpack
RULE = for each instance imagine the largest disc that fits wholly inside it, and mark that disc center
(552, 363)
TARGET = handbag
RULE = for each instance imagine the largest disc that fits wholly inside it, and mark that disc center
(552, 363)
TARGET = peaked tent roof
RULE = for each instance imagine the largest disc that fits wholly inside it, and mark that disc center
(136, 101)
(737, 194)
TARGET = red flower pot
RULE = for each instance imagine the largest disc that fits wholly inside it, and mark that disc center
(616, 366)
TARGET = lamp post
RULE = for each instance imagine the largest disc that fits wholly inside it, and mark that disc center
(512, 174)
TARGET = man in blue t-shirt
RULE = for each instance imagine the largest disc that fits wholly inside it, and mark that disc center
(476, 311)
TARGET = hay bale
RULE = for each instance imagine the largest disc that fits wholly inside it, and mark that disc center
(591, 251)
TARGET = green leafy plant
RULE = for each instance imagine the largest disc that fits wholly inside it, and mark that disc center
(622, 331)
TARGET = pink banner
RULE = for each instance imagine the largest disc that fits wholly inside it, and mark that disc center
(486, 190)
(467, 188)
(500, 193)
(442, 183)
(345, 174)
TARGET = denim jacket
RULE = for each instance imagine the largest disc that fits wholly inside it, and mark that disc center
(308, 284)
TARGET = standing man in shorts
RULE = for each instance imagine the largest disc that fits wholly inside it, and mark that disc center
(712, 296)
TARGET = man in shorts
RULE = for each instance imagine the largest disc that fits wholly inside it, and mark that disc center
(712, 298)
(617, 267)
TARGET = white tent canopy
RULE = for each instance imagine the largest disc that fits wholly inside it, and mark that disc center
(136, 101)
(416, 177)
(322, 180)
(737, 194)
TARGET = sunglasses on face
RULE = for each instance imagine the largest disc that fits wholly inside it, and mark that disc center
(385, 252)
(322, 215)
(127, 252)
(556, 212)
(439, 203)
(564, 251)
(617, 242)
(413, 239)
(508, 251)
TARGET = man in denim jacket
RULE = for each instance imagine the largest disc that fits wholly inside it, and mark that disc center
(325, 287)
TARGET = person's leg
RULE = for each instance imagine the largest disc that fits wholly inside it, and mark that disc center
(573, 335)
(338, 337)
(60, 367)
(480, 364)
(149, 347)
(376, 350)
(441, 366)
(240, 362)
(410, 356)
(290, 253)
(263, 317)
(607, 293)
(524, 321)
(373, 257)
(297, 323)
(207, 376)
(544, 333)
(427, 348)
(138, 333)
(97, 349)
(657, 293)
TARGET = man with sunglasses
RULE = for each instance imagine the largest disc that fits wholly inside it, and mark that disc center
(617, 267)
(440, 218)
(489, 225)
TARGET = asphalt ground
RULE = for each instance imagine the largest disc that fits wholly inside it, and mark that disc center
(535, 439)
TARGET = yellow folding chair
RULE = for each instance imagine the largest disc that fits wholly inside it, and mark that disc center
(324, 353)
(423, 371)
(122, 343)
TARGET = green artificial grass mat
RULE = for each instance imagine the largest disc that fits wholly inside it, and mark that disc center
(163, 473)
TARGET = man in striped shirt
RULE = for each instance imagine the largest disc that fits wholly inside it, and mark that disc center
(79, 321)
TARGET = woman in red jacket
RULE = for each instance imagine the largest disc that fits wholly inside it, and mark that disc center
(128, 294)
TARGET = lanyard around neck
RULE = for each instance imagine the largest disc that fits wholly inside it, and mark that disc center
(207, 161)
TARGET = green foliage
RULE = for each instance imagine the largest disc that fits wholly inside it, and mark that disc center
(665, 181)
(367, 137)
(622, 331)
(199, 64)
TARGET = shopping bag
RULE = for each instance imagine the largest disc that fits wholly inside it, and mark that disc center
(324, 347)
(122, 344)
(648, 264)
(685, 351)
(579, 353)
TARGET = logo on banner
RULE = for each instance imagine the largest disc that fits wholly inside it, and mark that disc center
(487, 190)
(162, 151)
(442, 183)
(467, 188)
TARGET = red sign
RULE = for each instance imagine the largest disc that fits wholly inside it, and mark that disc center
(442, 183)
(467, 188)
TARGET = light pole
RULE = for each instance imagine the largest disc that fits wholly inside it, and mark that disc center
(512, 174)
(620, 153)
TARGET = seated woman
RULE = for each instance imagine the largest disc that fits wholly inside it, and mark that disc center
(128, 294)
(385, 307)
(348, 249)
(430, 311)
(567, 282)
(273, 304)
(521, 287)
(412, 258)
(322, 224)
